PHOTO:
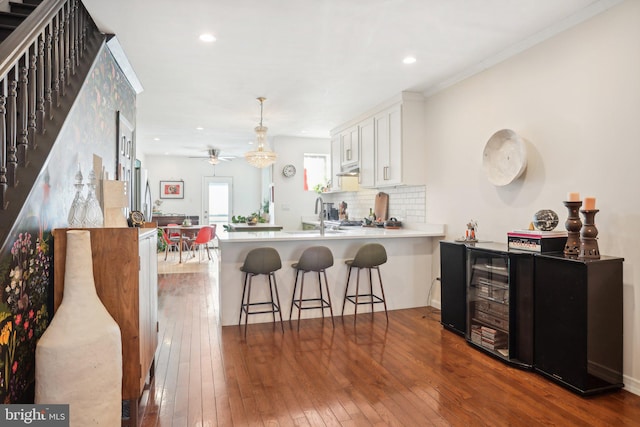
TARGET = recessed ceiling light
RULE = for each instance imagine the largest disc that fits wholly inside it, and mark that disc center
(199, 128)
(206, 37)
(409, 60)
(156, 139)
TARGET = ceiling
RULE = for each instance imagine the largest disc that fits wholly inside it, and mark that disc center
(319, 63)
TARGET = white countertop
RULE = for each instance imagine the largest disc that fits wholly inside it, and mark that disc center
(425, 230)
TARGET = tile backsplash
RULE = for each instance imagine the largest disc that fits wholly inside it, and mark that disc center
(406, 203)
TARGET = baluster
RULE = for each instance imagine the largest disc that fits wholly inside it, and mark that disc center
(3, 146)
(40, 114)
(61, 64)
(84, 30)
(48, 68)
(74, 38)
(22, 114)
(67, 43)
(12, 160)
(56, 58)
(32, 87)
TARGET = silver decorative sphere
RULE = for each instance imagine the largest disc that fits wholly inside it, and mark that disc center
(545, 220)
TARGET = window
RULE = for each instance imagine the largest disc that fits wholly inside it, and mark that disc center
(317, 171)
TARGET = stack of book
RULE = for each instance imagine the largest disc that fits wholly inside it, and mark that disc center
(537, 240)
(493, 339)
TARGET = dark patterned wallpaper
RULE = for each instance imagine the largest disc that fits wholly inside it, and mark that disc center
(25, 262)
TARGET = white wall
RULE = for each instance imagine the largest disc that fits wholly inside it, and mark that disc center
(291, 201)
(246, 182)
(576, 99)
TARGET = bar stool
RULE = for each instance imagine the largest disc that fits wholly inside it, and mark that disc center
(369, 256)
(313, 259)
(260, 261)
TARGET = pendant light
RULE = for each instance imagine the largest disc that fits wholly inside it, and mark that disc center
(262, 156)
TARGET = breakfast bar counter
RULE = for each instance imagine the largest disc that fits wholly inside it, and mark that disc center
(406, 276)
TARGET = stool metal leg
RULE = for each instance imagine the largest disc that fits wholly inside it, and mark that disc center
(326, 284)
(275, 287)
(371, 288)
(384, 299)
(244, 290)
(293, 295)
(346, 291)
(300, 298)
(355, 309)
(246, 317)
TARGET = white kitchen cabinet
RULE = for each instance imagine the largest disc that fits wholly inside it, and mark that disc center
(400, 146)
(350, 148)
(367, 152)
(388, 147)
(392, 149)
(336, 167)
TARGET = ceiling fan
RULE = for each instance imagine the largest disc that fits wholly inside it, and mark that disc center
(214, 156)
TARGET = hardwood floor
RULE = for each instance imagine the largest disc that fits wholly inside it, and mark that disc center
(409, 372)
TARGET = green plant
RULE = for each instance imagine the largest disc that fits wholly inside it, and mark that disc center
(162, 245)
(265, 206)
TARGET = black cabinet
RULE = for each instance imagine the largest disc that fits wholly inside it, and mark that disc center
(578, 317)
(453, 285)
(500, 302)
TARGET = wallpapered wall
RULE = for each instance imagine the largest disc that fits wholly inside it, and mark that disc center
(25, 258)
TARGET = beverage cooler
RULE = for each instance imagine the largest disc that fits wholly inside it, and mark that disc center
(500, 302)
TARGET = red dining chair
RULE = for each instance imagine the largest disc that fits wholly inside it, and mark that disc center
(170, 244)
(174, 233)
(204, 236)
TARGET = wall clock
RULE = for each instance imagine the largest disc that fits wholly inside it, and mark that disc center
(289, 171)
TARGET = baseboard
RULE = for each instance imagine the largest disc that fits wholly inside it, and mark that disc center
(435, 304)
(632, 385)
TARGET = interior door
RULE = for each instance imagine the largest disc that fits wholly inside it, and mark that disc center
(217, 201)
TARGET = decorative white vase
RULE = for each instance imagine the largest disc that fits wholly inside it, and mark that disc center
(79, 357)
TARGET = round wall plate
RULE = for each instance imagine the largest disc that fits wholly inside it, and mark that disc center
(504, 157)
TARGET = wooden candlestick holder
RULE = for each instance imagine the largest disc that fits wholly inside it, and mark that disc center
(573, 226)
(588, 235)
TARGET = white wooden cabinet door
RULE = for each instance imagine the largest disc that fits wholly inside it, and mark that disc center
(336, 162)
(148, 311)
(367, 153)
(350, 148)
(388, 143)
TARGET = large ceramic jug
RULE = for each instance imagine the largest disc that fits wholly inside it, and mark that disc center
(79, 357)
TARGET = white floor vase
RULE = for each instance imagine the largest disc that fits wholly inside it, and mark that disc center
(79, 357)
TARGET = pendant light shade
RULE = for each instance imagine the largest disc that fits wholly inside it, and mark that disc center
(262, 156)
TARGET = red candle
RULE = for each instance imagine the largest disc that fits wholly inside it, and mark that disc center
(589, 203)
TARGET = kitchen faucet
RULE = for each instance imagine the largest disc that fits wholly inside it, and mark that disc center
(321, 210)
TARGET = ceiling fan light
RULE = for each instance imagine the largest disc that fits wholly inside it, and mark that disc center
(214, 160)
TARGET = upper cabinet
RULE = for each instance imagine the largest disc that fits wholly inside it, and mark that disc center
(367, 152)
(350, 148)
(390, 139)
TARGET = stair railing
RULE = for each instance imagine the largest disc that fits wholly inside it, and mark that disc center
(37, 62)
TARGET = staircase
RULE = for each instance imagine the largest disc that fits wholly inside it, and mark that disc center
(46, 50)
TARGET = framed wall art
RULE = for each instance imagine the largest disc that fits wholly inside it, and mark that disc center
(172, 189)
(125, 156)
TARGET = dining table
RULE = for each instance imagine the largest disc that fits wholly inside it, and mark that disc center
(185, 231)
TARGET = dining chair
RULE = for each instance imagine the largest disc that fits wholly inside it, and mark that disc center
(170, 244)
(204, 236)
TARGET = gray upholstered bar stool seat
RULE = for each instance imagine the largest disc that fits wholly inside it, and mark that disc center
(370, 256)
(314, 259)
(260, 261)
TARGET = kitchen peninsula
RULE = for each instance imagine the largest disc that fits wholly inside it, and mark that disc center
(406, 275)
